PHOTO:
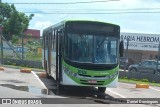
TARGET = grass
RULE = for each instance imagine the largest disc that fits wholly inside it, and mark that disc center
(143, 81)
(27, 56)
(33, 57)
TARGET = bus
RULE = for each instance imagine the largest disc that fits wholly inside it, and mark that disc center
(82, 53)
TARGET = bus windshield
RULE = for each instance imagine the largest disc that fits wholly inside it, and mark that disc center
(83, 48)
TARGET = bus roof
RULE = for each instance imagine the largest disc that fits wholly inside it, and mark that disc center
(77, 20)
(80, 20)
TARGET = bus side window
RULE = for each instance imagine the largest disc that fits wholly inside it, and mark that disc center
(46, 41)
(53, 39)
(49, 42)
(55, 35)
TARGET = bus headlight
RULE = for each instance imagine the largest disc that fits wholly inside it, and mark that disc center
(69, 72)
(74, 74)
(112, 76)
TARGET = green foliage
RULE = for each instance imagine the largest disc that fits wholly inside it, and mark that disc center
(5, 10)
(134, 79)
(145, 80)
(28, 36)
(14, 64)
(34, 57)
(153, 81)
(8, 62)
(15, 39)
(123, 77)
(35, 44)
(14, 22)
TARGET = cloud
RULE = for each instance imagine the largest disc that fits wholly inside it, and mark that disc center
(38, 15)
(42, 25)
(151, 1)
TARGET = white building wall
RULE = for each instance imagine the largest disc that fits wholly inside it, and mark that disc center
(139, 41)
(141, 46)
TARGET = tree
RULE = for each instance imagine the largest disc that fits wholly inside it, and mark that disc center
(4, 12)
(14, 22)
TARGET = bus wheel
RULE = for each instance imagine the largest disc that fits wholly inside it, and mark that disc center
(102, 89)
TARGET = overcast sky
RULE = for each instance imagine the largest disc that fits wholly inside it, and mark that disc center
(134, 16)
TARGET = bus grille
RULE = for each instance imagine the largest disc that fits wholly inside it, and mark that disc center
(91, 76)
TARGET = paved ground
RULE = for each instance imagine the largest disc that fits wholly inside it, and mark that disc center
(12, 81)
(14, 84)
(126, 90)
(15, 77)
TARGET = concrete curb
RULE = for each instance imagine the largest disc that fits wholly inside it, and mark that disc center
(43, 75)
(1, 68)
(25, 70)
(142, 85)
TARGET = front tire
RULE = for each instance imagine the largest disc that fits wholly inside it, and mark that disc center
(102, 89)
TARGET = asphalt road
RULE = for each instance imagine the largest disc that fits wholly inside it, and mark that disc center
(14, 84)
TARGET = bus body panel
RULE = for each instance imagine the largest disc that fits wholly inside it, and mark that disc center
(75, 76)
(69, 81)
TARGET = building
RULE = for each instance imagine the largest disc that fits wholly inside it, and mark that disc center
(31, 35)
(141, 46)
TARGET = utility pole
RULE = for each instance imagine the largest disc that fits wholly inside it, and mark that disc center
(126, 55)
(22, 46)
(1, 41)
(1, 38)
(157, 58)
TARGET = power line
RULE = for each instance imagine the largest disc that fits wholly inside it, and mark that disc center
(69, 2)
(93, 12)
(110, 9)
(90, 11)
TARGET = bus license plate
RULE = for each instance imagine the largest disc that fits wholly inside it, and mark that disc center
(92, 81)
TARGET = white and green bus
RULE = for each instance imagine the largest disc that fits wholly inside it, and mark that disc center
(82, 53)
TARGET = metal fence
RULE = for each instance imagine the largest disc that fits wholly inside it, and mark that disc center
(147, 77)
(21, 48)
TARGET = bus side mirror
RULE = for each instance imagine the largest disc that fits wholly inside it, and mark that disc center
(121, 49)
